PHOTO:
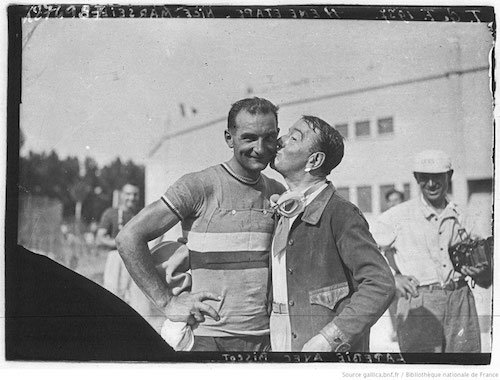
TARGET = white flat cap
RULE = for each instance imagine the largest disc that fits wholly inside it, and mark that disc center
(432, 161)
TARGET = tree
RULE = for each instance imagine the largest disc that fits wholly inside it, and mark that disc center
(83, 195)
(115, 175)
(79, 192)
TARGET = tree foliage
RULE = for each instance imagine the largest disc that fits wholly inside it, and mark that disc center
(46, 174)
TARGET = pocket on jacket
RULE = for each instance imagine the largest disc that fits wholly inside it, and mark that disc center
(329, 296)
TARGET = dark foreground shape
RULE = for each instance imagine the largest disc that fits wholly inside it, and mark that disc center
(53, 313)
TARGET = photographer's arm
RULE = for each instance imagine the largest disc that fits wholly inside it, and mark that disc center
(481, 274)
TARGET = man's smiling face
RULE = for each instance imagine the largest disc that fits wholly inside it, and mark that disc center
(254, 140)
(434, 186)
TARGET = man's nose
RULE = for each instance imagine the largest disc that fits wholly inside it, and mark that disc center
(259, 146)
(431, 182)
(281, 142)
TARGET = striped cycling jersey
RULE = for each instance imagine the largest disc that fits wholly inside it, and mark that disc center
(229, 226)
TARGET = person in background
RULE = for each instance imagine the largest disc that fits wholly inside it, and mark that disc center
(228, 222)
(116, 278)
(330, 283)
(394, 197)
(436, 308)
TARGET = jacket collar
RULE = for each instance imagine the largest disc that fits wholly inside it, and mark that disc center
(449, 211)
(313, 211)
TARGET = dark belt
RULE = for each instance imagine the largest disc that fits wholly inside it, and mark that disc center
(280, 308)
(450, 285)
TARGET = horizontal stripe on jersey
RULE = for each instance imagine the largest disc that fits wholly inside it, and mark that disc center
(228, 242)
(229, 260)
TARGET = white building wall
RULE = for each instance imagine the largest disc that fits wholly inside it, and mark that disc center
(453, 113)
(424, 116)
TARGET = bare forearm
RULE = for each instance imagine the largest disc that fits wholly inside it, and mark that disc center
(132, 242)
(137, 258)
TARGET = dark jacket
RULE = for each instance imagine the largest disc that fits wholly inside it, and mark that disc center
(338, 282)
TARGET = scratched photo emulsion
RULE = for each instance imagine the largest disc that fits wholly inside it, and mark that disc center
(306, 183)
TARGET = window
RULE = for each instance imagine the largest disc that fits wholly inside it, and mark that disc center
(364, 194)
(385, 126)
(362, 128)
(343, 130)
(343, 192)
(384, 189)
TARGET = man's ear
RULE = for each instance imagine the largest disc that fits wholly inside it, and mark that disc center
(315, 161)
(448, 178)
(450, 174)
(229, 139)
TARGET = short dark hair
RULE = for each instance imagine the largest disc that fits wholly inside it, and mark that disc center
(329, 141)
(394, 191)
(252, 106)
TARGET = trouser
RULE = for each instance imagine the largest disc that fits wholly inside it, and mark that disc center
(243, 343)
(281, 332)
(439, 320)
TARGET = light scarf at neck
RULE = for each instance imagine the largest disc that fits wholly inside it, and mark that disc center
(292, 203)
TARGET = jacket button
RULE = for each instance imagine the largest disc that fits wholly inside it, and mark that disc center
(290, 270)
(290, 242)
(291, 303)
(294, 336)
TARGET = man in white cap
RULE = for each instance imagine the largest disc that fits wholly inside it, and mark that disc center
(436, 308)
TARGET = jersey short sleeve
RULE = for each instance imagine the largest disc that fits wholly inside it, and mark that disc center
(186, 197)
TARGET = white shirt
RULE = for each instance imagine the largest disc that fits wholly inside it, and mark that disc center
(421, 238)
